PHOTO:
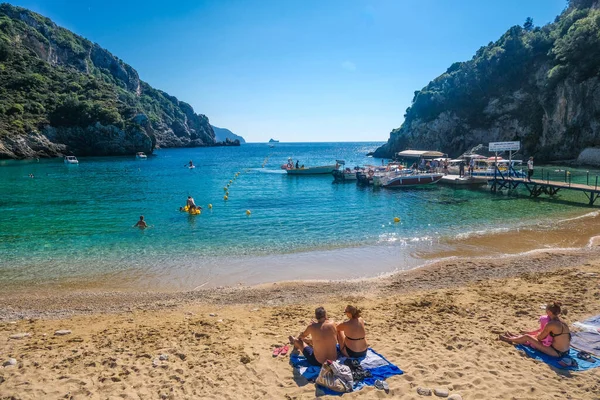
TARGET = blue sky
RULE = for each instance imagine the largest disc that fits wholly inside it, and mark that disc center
(294, 70)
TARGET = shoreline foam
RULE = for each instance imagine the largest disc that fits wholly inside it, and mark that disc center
(327, 265)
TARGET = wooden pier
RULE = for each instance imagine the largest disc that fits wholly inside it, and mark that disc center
(536, 187)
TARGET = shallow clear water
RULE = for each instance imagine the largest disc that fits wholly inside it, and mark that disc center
(74, 222)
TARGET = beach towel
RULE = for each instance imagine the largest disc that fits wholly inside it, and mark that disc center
(374, 362)
(591, 324)
(586, 341)
(582, 365)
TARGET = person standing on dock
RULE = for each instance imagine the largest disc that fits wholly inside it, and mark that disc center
(529, 169)
(461, 169)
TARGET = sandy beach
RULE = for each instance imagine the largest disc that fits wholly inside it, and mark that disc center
(438, 323)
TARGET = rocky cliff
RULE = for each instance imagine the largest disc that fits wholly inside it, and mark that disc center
(539, 85)
(62, 94)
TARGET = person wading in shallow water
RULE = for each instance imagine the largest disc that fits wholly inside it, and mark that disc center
(141, 223)
(323, 345)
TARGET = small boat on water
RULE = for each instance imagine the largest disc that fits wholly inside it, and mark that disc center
(464, 181)
(421, 172)
(319, 170)
(341, 174)
(71, 160)
(406, 179)
(141, 156)
(302, 170)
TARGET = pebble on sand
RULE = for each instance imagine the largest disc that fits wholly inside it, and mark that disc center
(163, 357)
(11, 362)
(20, 335)
(212, 315)
(441, 392)
(424, 391)
(62, 332)
(455, 397)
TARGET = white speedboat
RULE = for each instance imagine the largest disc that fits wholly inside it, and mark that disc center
(320, 170)
(344, 175)
(405, 179)
(141, 156)
(71, 160)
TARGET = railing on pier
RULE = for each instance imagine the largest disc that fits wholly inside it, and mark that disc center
(549, 181)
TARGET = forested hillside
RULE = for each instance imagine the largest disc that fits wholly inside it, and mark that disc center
(62, 94)
(539, 85)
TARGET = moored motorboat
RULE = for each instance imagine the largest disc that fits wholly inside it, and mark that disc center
(341, 174)
(345, 175)
(319, 170)
(141, 156)
(71, 160)
(405, 179)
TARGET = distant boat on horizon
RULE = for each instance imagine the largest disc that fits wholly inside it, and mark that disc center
(273, 141)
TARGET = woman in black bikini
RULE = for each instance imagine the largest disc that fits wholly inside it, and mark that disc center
(351, 334)
(557, 329)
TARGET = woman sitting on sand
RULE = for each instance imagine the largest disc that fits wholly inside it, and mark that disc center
(351, 334)
(555, 328)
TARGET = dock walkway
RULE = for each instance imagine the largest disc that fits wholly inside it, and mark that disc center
(536, 187)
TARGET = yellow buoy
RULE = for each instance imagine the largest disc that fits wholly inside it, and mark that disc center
(248, 212)
(230, 181)
(225, 188)
(225, 197)
(396, 219)
(210, 206)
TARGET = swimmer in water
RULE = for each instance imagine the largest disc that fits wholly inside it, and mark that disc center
(141, 223)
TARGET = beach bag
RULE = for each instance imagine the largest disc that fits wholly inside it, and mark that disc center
(330, 380)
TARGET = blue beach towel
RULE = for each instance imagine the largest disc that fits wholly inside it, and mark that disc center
(582, 365)
(376, 363)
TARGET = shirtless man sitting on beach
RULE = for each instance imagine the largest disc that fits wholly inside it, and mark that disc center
(322, 347)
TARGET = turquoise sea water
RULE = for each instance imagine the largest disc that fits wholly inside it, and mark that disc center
(74, 222)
